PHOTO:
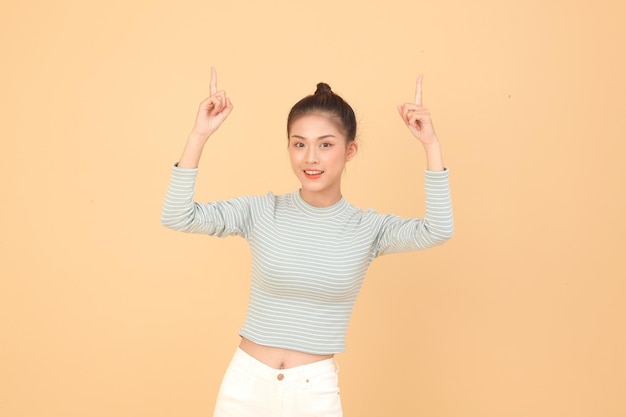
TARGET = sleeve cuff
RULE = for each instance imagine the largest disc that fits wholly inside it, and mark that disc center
(176, 168)
(437, 174)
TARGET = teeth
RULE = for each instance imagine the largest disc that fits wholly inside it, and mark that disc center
(313, 172)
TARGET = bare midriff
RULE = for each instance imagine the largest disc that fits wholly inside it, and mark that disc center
(279, 358)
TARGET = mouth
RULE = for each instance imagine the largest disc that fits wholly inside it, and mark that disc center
(312, 173)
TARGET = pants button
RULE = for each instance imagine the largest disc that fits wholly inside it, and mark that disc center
(280, 377)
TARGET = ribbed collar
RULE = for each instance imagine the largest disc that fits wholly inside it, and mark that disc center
(319, 212)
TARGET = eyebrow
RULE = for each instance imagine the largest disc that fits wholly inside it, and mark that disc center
(319, 138)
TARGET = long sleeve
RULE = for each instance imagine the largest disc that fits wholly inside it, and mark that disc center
(397, 234)
(220, 218)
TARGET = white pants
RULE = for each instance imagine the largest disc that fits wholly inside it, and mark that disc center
(252, 389)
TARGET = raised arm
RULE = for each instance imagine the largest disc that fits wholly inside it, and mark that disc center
(211, 114)
(179, 211)
(396, 234)
(418, 120)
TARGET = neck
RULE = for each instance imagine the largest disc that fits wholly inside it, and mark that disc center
(321, 200)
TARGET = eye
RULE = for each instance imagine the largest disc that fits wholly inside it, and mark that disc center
(299, 145)
(326, 145)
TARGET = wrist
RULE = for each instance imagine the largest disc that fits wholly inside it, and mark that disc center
(434, 159)
(197, 137)
(432, 142)
(192, 151)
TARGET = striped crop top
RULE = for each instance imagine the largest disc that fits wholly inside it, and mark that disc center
(308, 263)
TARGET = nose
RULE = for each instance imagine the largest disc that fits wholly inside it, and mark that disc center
(311, 155)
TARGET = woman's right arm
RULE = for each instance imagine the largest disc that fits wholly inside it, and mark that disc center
(179, 211)
(211, 114)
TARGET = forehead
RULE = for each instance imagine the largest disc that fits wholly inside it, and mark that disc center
(315, 125)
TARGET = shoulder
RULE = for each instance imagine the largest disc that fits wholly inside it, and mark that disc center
(258, 201)
(368, 217)
(269, 202)
(379, 222)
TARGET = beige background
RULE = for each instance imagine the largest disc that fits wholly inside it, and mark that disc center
(104, 312)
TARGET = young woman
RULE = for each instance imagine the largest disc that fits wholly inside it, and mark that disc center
(310, 251)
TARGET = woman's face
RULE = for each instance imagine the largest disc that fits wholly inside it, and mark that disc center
(318, 151)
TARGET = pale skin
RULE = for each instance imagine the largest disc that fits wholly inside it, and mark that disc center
(318, 151)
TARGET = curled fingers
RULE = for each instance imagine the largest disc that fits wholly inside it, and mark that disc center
(217, 103)
(412, 113)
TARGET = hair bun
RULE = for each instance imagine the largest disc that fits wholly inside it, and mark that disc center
(323, 88)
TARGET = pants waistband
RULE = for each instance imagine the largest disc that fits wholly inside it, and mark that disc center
(249, 364)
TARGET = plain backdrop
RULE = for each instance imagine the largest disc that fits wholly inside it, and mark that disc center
(105, 312)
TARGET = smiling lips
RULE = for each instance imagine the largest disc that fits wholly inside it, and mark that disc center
(313, 174)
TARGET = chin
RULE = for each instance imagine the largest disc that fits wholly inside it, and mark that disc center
(314, 188)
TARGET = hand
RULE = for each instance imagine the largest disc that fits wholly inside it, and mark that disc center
(213, 110)
(417, 117)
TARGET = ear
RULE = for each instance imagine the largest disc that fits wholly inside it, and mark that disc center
(351, 150)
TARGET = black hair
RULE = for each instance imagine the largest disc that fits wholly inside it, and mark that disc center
(324, 100)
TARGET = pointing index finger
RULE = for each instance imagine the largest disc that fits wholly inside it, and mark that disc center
(213, 81)
(418, 90)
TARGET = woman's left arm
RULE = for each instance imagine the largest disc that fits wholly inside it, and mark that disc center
(396, 234)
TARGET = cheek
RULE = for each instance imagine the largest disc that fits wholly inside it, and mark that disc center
(339, 157)
(294, 157)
